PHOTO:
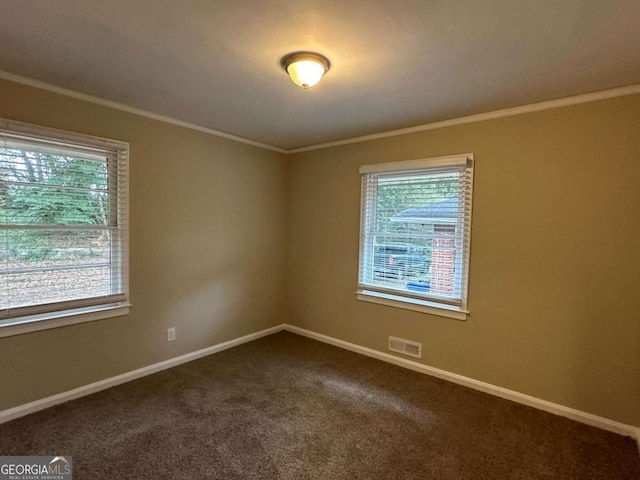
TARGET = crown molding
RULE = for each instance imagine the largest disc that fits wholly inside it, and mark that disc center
(12, 77)
(506, 112)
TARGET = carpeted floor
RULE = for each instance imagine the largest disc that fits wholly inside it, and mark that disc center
(286, 407)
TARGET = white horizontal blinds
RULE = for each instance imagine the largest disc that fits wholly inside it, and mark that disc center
(63, 218)
(415, 230)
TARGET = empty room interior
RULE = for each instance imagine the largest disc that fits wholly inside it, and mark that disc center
(322, 240)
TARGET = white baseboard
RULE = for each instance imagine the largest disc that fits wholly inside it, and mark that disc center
(32, 407)
(577, 415)
(573, 414)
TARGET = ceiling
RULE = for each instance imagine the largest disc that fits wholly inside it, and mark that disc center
(395, 63)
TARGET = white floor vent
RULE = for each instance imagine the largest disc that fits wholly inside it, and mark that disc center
(405, 347)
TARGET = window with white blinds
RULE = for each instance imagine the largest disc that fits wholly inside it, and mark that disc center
(415, 231)
(63, 223)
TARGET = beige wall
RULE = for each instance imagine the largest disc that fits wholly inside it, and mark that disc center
(555, 264)
(555, 267)
(207, 249)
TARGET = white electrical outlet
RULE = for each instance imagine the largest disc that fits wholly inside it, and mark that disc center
(171, 334)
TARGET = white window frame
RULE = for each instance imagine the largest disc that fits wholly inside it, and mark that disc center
(403, 299)
(79, 311)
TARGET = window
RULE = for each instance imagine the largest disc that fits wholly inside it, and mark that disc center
(63, 228)
(415, 234)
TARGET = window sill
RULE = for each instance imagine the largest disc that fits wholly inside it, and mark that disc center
(406, 303)
(45, 321)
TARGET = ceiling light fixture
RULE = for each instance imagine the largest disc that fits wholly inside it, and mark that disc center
(305, 68)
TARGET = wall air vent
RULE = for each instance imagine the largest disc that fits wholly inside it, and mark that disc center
(405, 347)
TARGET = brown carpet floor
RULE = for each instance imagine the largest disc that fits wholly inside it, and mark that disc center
(286, 407)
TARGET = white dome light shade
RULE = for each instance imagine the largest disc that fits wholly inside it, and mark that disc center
(305, 73)
(305, 68)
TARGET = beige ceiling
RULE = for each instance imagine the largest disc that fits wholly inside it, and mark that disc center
(395, 63)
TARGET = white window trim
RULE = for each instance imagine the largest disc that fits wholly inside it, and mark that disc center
(408, 302)
(409, 165)
(72, 316)
(45, 321)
